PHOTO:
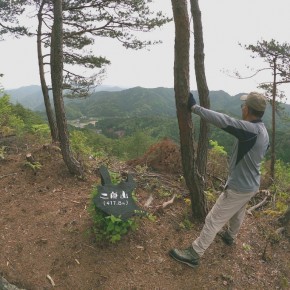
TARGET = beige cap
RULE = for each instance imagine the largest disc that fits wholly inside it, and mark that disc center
(255, 100)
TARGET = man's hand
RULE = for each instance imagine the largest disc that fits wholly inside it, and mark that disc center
(191, 101)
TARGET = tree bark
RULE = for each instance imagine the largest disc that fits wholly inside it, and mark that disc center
(273, 141)
(44, 88)
(203, 92)
(57, 80)
(181, 87)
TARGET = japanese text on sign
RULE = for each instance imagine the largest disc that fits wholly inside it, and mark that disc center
(115, 198)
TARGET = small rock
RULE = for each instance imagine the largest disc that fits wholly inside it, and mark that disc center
(5, 285)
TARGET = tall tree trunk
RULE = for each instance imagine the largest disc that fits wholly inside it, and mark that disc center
(57, 80)
(48, 107)
(273, 141)
(181, 87)
(203, 92)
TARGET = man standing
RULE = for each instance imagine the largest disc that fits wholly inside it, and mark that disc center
(252, 142)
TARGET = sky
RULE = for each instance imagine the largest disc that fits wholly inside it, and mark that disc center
(226, 23)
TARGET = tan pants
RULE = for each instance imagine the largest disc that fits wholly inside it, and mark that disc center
(229, 208)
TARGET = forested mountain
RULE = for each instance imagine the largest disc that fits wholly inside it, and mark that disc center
(149, 110)
(31, 96)
(133, 102)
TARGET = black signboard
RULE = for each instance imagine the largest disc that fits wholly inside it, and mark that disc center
(116, 199)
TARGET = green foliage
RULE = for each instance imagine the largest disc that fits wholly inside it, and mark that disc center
(124, 17)
(109, 227)
(100, 144)
(2, 152)
(35, 166)
(210, 196)
(186, 223)
(141, 169)
(79, 145)
(153, 112)
(130, 147)
(137, 144)
(115, 177)
(118, 20)
(280, 188)
(283, 144)
(281, 205)
(15, 119)
(151, 217)
(9, 10)
(272, 213)
(73, 112)
(10, 123)
(216, 148)
(41, 130)
(164, 192)
(284, 284)
(29, 117)
(217, 165)
(116, 107)
(100, 155)
(273, 52)
(247, 247)
(282, 176)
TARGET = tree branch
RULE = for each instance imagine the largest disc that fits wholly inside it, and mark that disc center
(249, 211)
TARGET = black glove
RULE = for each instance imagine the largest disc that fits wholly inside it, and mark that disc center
(191, 101)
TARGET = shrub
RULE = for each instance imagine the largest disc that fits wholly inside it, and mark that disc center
(217, 165)
(280, 188)
(79, 144)
(42, 131)
(9, 122)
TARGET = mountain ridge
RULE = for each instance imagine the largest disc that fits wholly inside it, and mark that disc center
(109, 102)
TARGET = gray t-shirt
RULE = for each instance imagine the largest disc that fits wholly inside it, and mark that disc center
(250, 147)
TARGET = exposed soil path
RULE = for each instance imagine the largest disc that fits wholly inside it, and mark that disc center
(44, 226)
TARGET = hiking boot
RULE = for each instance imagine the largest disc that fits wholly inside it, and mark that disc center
(187, 256)
(226, 238)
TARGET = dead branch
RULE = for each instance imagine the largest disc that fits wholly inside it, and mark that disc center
(223, 181)
(266, 192)
(165, 180)
(9, 262)
(74, 201)
(51, 147)
(50, 280)
(280, 231)
(149, 201)
(167, 203)
(249, 211)
(2, 176)
(160, 208)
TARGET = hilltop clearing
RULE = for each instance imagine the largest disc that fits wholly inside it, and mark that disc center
(45, 234)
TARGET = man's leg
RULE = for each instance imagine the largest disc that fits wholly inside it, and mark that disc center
(228, 236)
(226, 206)
(236, 221)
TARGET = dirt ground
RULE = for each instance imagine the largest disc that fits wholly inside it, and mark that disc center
(44, 233)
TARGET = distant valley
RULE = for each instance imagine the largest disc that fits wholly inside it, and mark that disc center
(115, 102)
(117, 112)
